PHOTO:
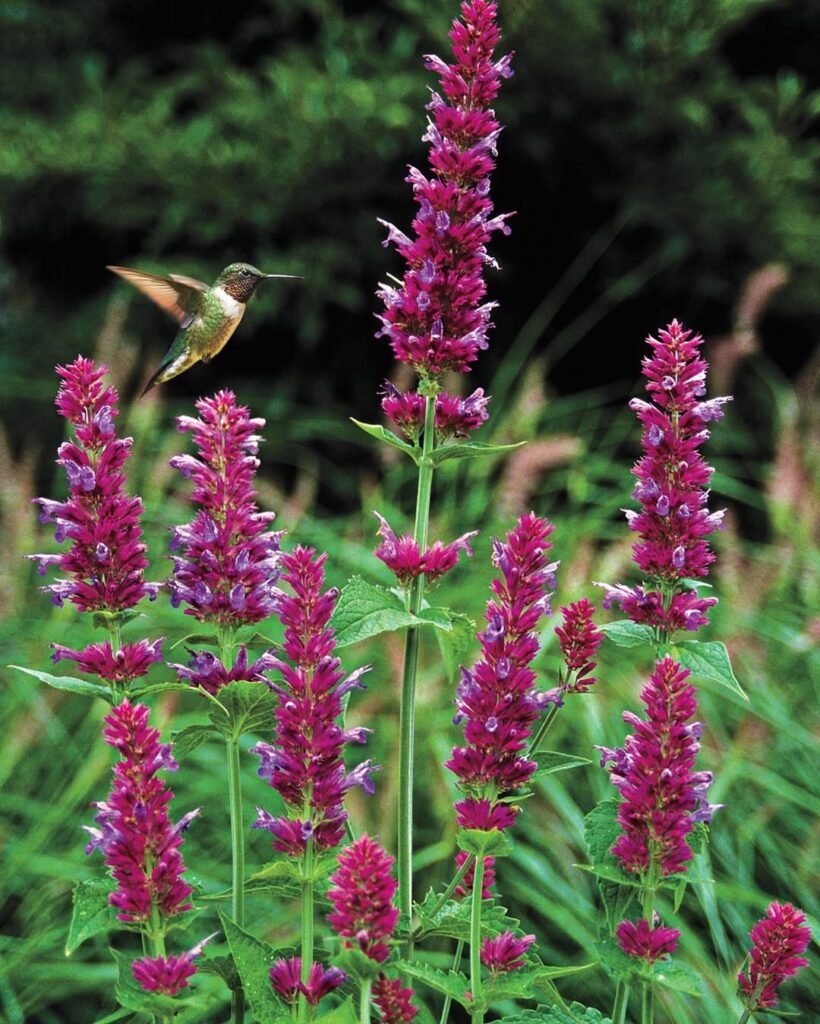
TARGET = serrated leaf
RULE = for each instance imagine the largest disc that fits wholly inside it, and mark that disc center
(616, 963)
(70, 684)
(709, 659)
(550, 761)
(521, 984)
(131, 995)
(575, 1013)
(105, 620)
(388, 437)
(452, 919)
(366, 609)
(452, 983)
(91, 913)
(248, 707)
(484, 843)
(601, 829)
(223, 967)
(471, 450)
(626, 633)
(188, 739)
(254, 959)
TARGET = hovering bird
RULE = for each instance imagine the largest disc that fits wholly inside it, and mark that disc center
(207, 315)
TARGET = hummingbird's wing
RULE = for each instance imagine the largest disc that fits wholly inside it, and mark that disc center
(178, 295)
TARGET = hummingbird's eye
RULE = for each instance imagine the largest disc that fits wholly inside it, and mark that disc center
(245, 272)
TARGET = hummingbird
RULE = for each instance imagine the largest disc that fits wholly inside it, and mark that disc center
(207, 314)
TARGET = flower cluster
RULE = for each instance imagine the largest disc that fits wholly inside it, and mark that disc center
(228, 568)
(662, 796)
(105, 564)
(435, 318)
(393, 1000)
(404, 557)
(455, 417)
(505, 952)
(135, 836)
(641, 940)
(579, 639)
(497, 698)
(167, 975)
(304, 765)
(206, 671)
(362, 897)
(672, 481)
(286, 978)
(778, 939)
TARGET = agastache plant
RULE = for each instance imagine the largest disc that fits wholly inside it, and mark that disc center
(778, 939)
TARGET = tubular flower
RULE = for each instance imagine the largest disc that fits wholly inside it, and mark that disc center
(505, 952)
(672, 481)
(207, 671)
(105, 563)
(403, 556)
(362, 897)
(640, 940)
(167, 975)
(304, 764)
(435, 318)
(579, 639)
(496, 698)
(136, 837)
(455, 417)
(285, 976)
(778, 939)
(228, 568)
(393, 1000)
(129, 662)
(662, 796)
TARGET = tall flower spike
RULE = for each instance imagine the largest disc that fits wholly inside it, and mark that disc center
(497, 698)
(672, 481)
(362, 894)
(228, 568)
(304, 764)
(662, 795)
(393, 1000)
(778, 939)
(435, 318)
(579, 639)
(136, 837)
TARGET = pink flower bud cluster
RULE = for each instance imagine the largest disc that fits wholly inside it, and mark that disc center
(362, 894)
(778, 940)
(662, 796)
(505, 952)
(455, 417)
(646, 942)
(404, 557)
(672, 487)
(286, 978)
(579, 639)
(167, 975)
(304, 764)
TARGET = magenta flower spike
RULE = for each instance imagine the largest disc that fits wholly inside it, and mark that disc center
(229, 565)
(497, 699)
(505, 952)
(135, 834)
(167, 975)
(579, 639)
(778, 939)
(393, 1000)
(104, 566)
(403, 556)
(362, 894)
(647, 943)
(304, 764)
(285, 976)
(672, 487)
(662, 796)
(436, 318)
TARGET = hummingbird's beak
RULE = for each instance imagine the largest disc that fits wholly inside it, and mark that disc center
(291, 277)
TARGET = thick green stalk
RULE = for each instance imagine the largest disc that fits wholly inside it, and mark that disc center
(364, 1001)
(448, 1000)
(475, 940)
(621, 1003)
(307, 926)
(407, 714)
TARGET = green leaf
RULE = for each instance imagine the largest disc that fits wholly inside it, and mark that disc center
(451, 983)
(138, 692)
(575, 1013)
(388, 437)
(254, 960)
(69, 683)
(484, 843)
(342, 1014)
(453, 918)
(105, 620)
(678, 976)
(550, 761)
(471, 450)
(521, 984)
(91, 912)
(601, 829)
(367, 609)
(250, 708)
(135, 998)
(626, 633)
(456, 641)
(188, 739)
(197, 638)
(709, 659)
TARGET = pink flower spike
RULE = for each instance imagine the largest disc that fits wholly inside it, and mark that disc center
(167, 975)
(362, 897)
(778, 939)
(403, 557)
(393, 1000)
(638, 939)
(579, 639)
(505, 952)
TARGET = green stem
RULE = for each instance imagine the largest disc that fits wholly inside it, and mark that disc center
(621, 1003)
(364, 1001)
(407, 713)
(745, 1016)
(237, 861)
(546, 722)
(307, 925)
(477, 1014)
(648, 1003)
(448, 1000)
(448, 892)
